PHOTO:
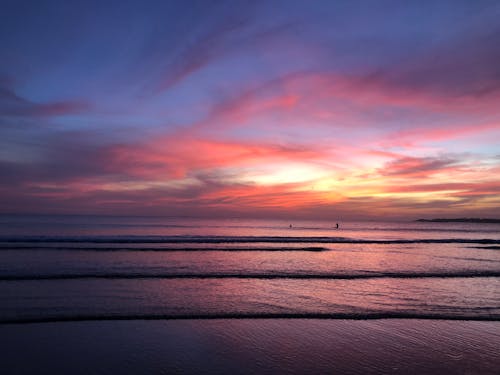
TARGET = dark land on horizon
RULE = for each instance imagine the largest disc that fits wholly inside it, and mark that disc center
(460, 220)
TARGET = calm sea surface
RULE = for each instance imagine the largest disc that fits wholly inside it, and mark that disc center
(72, 268)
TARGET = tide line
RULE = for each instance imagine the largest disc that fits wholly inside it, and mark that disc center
(317, 276)
(250, 315)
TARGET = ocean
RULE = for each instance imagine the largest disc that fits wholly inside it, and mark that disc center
(242, 278)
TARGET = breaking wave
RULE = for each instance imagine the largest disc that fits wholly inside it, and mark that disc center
(273, 275)
(232, 239)
(350, 316)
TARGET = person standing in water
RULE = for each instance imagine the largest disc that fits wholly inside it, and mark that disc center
(337, 226)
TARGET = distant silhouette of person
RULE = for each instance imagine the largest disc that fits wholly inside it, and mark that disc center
(337, 226)
(290, 225)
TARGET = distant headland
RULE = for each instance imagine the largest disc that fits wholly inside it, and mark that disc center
(460, 220)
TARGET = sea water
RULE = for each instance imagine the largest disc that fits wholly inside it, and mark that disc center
(80, 268)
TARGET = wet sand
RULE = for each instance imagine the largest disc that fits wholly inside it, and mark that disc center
(252, 346)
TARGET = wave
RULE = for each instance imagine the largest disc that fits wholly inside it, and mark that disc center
(169, 249)
(425, 226)
(485, 247)
(235, 239)
(239, 315)
(273, 275)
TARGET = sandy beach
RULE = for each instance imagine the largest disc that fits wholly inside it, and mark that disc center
(252, 346)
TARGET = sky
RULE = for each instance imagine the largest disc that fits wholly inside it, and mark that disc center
(302, 109)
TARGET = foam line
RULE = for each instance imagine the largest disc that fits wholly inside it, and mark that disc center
(374, 275)
(331, 316)
(235, 239)
(166, 249)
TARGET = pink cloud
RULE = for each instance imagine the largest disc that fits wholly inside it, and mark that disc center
(411, 137)
(418, 167)
(323, 102)
(177, 156)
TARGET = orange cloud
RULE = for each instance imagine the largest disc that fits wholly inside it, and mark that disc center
(177, 156)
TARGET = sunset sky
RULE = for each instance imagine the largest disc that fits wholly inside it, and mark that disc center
(313, 109)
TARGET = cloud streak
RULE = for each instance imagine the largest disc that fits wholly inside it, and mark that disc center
(14, 105)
